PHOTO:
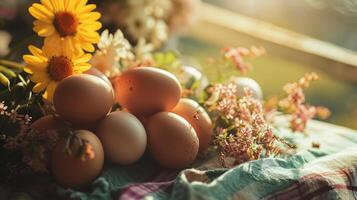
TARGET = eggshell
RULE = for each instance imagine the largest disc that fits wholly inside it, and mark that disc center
(187, 73)
(244, 82)
(48, 123)
(83, 99)
(71, 170)
(95, 72)
(198, 118)
(172, 141)
(123, 137)
(147, 90)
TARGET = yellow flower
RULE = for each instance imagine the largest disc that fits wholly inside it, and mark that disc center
(49, 66)
(67, 23)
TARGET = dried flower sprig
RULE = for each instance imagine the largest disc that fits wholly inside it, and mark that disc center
(295, 104)
(236, 56)
(84, 150)
(242, 133)
(33, 145)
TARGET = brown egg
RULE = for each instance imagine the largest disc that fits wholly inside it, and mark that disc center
(172, 140)
(147, 90)
(83, 99)
(48, 123)
(71, 170)
(198, 118)
(123, 137)
(95, 72)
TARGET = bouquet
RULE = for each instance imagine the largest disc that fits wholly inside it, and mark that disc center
(83, 97)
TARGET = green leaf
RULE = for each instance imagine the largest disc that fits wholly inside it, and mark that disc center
(167, 60)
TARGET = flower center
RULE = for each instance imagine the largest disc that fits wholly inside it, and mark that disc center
(65, 23)
(59, 68)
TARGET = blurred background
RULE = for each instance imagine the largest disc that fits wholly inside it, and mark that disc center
(326, 28)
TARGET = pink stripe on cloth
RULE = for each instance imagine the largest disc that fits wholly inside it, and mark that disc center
(139, 190)
(315, 184)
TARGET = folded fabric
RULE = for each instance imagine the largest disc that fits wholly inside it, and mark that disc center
(325, 173)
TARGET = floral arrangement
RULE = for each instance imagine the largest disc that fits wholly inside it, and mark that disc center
(151, 21)
(238, 117)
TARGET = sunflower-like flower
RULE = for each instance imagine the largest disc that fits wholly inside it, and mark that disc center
(67, 23)
(49, 66)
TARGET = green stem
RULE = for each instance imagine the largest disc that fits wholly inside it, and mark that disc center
(11, 64)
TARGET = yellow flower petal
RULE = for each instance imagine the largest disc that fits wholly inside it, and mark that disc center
(58, 5)
(88, 35)
(93, 16)
(71, 5)
(87, 9)
(88, 46)
(43, 29)
(84, 35)
(47, 4)
(37, 52)
(46, 31)
(39, 87)
(53, 46)
(82, 59)
(39, 12)
(94, 26)
(80, 5)
(50, 90)
(40, 76)
(33, 60)
(82, 68)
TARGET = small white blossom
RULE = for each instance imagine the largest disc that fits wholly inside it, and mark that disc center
(112, 49)
(143, 50)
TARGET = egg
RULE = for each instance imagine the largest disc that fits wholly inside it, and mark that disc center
(83, 99)
(188, 74)
(198, 118)
(95, 72)
(123, 137)
(172, 141)
(147, 90)
(69, 170)
(244, 82)
(48, 123)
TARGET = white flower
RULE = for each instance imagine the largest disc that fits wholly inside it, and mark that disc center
(5, 39)
(112, 49)
(139, 23)
(143, 49)
(147, 19)
(159, 9)
(159, 33)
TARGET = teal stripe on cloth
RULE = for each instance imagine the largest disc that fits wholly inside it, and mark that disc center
(255, 176)
(328, 172)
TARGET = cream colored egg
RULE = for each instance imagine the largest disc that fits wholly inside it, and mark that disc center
(172, 141)
(198, 118)
(245, 82)
(123, 137)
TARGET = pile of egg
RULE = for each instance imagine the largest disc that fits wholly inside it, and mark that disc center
(153, 117)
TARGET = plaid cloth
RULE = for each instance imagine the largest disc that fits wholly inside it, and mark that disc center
(325, 173)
